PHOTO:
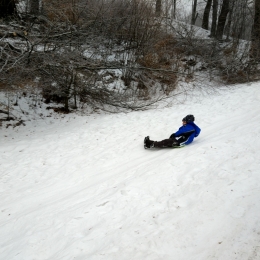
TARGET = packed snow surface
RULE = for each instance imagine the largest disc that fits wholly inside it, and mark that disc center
(84, 187)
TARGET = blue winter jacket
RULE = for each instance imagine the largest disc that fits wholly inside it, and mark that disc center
(187, 132)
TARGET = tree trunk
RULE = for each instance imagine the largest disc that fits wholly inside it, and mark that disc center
(158, 7)
(205, 20)
(214, 18)
(174, 9)
(222, 19)
(35, 7)
(194, 12)
(255, 37)
(228, 25)
(66, 104)
(7, 8)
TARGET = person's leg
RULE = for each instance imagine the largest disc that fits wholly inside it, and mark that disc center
(171, 142)
(165, 143)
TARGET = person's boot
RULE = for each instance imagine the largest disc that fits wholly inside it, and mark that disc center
(148, 143)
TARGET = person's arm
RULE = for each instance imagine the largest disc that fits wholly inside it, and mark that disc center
(178, 133)
(190, 139)
(197, 130)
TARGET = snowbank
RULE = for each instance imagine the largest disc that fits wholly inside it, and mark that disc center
(83, 187)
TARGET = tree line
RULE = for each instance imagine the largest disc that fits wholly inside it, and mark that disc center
(229, 16)
(71, 50)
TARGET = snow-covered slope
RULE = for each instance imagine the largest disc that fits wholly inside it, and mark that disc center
(85, 188)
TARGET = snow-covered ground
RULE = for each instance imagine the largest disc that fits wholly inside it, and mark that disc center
(84, 187)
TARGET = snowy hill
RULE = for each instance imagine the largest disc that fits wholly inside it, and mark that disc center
(84, 187)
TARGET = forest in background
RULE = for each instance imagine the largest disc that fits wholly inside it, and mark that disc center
(71, 52)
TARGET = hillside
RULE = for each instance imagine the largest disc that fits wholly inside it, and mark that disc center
(83, 187)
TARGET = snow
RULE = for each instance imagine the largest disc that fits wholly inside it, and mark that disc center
(83, 187)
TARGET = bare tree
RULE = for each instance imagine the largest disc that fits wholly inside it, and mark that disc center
(255, 38)
(174, 9)
(194, 14)
(230, 17)
(214, 18)
(34, 7)
(205, 20)
(7, 8)
(222, 19)
(158, 7)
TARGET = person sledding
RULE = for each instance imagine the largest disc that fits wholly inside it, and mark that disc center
(184, 136)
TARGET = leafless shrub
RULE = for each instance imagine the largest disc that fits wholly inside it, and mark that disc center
(73, 47)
